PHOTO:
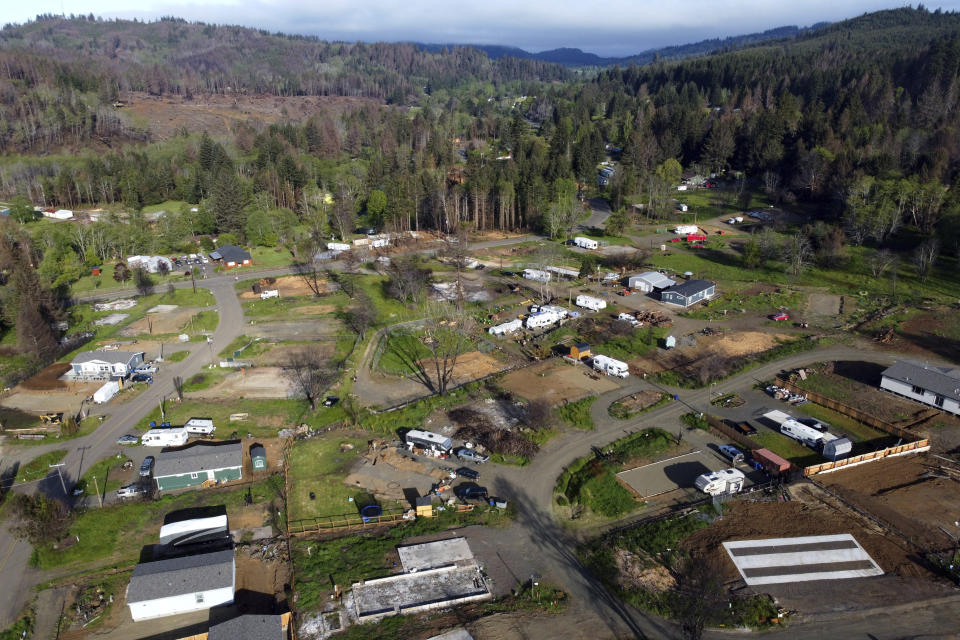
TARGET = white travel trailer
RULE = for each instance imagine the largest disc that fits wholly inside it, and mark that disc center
(542, 319)
(271, 293)
(589, 302)
(610, 366)
(106, 392)
(718, 483)
(428, 440)
(506, 328)
(686, 229)
(585, 243)
(164, 437)
(338, 246)
(199, 426)
(536, 275)
(560, 311)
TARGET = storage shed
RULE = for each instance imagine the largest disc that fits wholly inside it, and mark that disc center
(580, 350)
(181, 585)
(258, 457)
(195, 464)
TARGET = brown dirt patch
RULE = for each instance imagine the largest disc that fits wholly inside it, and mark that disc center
(219, 114)
(262, 382)
(277, 355)
(899, 492)
(685, 359)
(556, 381)
(48, 378)
(761, 520)
(289, 287)
(636, 572)
(934, 333)
(169, 322)
(639, 401)
(316, 309)
(249, 516)
(742, 343)
(470, 366)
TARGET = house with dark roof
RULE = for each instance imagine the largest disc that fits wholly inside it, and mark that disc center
(252, 627)
(197, 463)
(688, 293)
(932, 385)
(106, 364)
(181, 585)
(230, 256)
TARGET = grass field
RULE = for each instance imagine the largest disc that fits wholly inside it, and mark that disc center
(102, 470)
(786, 447)
(270, 257)
(577, 414)
(39, 467)
(266, 416)
(115, 535)
(318, 465)
(841, 424)
(177, 356)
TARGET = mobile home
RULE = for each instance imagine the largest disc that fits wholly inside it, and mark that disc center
(542, 319)
(585, 243)
(429, 440)
(506, 328)
(610, 366)
(536, 275)
(590, 302)
(164, 437)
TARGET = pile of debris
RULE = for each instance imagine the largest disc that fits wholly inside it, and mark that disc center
(271, 550)
(655, 318)
(476, 426)
(786, 395)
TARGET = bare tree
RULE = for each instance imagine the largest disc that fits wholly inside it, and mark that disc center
(701, 595)
(881, 261)
(40, 519)
(361, 315)
(310, 372)
(925, 257)
(431, 353)
(178, 386)
(310, 269)
(798, 252)
(408, 279)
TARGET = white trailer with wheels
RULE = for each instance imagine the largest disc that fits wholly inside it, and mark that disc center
(589, 302)
(106, 392)
(164, 437)
(506, 328)
(686, 229)
(432, 442)
(536, 275)
(585, 243)
(610, 366)
(199, 426)
(718, 483)
(542, 319)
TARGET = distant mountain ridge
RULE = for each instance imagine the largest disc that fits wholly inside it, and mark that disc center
(572, 57)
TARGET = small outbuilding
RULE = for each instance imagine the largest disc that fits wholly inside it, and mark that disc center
(181, 585)
(670, 342)
(649, 281)
(580, 350)
(258, 457)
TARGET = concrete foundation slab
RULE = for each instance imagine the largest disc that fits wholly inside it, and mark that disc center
(432, 555)
(417, 592)
(782, 560)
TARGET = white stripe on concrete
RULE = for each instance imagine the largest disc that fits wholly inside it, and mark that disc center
(798, 559)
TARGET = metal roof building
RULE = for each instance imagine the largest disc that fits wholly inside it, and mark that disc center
(932, 385)
(649, 281)
(181, 585)
(195, 464)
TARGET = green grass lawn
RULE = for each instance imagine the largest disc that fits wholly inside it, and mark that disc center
(786, 447)
(205, 321)
(170, 206)
(39, 467)
(265, 257)
(106, 472)
(841, 424)
(266, 416)
(114, 535)
(177, 356)
(577, 414)
(105, 282)
(318, 465)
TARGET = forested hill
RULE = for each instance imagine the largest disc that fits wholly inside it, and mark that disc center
(172, 56)
(572, 57)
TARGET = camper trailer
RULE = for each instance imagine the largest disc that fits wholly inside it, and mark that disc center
(199, 426)
(589, 302)
(585, 243)
(686, 229)
(610, 366)
(106, 392)
(338, 246)
(543, 318)
(718, 483)
(536, 275)
(432, 442)
(269, 293)
(505, 328)
(164, 437)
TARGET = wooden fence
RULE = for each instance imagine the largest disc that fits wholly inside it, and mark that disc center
(910, 447)
(355, 522)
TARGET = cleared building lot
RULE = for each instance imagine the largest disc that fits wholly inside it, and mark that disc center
(801, 559)
(678, 472)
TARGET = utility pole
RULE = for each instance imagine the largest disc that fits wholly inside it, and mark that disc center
(60, 475)
(162, 414)
(97, 487)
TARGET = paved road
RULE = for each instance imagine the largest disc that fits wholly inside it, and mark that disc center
(599, 212)
(19, 578)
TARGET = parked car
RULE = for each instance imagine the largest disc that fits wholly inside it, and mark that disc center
(330, 401)
(146, 467)
(471, 456)
(470, 491)
(131, 491)
(731, 453)
(466, 472)
(128, 439)
(779, 317)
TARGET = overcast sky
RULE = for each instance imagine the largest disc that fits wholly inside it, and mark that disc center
(614, 27)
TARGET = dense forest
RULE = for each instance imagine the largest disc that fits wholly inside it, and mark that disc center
(854, 122)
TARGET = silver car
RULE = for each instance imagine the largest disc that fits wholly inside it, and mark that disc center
(131, 491)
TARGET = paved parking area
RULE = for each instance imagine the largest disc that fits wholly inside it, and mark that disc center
(673, 473)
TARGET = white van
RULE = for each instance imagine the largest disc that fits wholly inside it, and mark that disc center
(164, 437)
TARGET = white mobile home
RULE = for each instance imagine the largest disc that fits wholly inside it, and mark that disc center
(610, 366)
(542, 319)
(717, 483)
(589, 302)
(428, 440)
(936, 386)
(649, 281)
(338, 246)
(506, 328)
(585, 243)
(106, 364)
(164, 437)
(536, 275)
(181, 585)
(564, 272)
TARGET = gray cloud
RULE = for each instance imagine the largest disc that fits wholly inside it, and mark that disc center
(616, 27)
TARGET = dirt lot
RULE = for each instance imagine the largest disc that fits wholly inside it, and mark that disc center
(823, 304)
(555, 381)
(48, 378)
(640, 401)
(728, 344)
(289, 287)
(219, 114)
(387, 472)
(931, 332)
(470, 366)
(45, 392)
(263, 382)
(899, 491)
(278, 354)
(169, 322)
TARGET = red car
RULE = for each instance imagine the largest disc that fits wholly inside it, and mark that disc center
(780, 316)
